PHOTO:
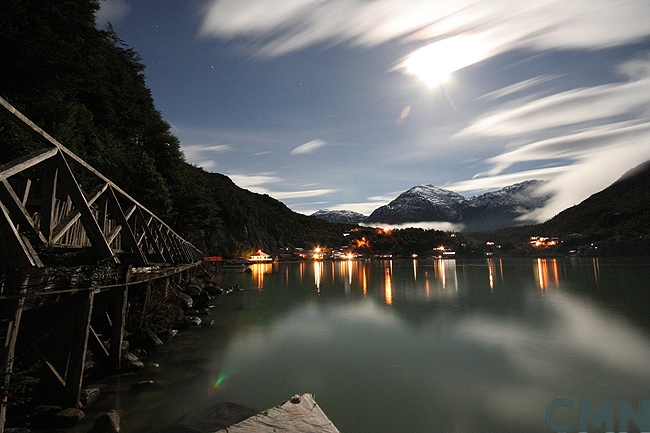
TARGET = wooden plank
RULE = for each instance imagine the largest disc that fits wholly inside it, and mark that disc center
(150, 234)
(120, 304)
(48, 200)
(15, 205)
(99, 341)
(127, 234)
(16, 253)
(7, 352)
(81, 330)
(93, 231)
(17, 165)
(72, 217)
(300, 414)
(22, 121)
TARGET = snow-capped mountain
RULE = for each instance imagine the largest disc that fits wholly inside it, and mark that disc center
(420, 203)
(489, 211)
(340, 216)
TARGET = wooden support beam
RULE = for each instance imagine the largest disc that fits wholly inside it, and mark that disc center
(72, 217)
(17, 165)
(81, 330)
(119, 308)
(17, 253)
(48, 200)
(15, 205)
(93, 231)
(127, 233)
(149, 234)
(12, 313)
(99, 341)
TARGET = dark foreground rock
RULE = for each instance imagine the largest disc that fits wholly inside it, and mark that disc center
(213, 418)
(107, 423)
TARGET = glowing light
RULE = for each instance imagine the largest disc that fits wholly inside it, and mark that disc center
(434, 63)
(388, 291)
(214, 388)
(318, 272)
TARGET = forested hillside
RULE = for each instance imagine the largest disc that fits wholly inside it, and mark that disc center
(86, 88)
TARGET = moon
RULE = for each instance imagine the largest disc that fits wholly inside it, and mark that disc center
(434, 63)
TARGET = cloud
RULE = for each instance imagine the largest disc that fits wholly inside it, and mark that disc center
(308, 147)
(253, 181)
(426, 225)
(111, 11)
(281, 27)
(200, 154)
(562, 109)
(257, 183)
(496, 182)
(518, 87)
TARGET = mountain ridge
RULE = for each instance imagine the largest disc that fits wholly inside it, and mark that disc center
(427, 203)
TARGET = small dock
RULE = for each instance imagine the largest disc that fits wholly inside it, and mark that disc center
(300, 414)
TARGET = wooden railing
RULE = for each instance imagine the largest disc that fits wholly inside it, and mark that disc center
(44, 208)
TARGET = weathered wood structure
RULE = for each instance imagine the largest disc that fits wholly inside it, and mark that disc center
(47, 213)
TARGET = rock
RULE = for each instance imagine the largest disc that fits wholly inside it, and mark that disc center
(194, 321)
(143, 384)
(186, 299)
(17, 430)
(131, 362)
(202, 301)
(107, 423)
(88, 395)
(44, 416)
(147, 339)
(193, 290)
(69, 417)
(213, 290)
(213, 418)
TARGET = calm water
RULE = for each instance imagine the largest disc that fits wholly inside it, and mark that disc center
(409, 346)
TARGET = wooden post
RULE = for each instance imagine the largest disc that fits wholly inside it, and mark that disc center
(11, 314)
(81, 329)
(120, 304)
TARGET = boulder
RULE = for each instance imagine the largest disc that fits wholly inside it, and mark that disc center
(88, 395)
(107, 423)
(69, 417)
(131, 362)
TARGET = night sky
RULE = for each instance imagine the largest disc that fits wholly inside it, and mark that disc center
(343, 104)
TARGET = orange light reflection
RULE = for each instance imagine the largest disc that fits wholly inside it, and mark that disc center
(388, 290)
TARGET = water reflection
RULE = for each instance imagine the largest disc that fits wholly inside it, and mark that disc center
(258, 270)
(502, 357)
(466, 345)
(388, 286)
(547, 271)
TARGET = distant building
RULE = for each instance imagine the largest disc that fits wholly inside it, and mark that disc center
(260, 256)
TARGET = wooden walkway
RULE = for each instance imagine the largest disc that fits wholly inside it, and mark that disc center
(47, 213)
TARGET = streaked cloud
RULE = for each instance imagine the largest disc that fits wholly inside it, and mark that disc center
(259, 183)
(562, 109)
(308, 147)
(281, 27)
(254, 181)
(518, 87)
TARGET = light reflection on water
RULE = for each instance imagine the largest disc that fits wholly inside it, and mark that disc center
(423, 345)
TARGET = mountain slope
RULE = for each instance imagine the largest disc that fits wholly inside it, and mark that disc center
(622, 209)
(489, 211)
(420, 203)
(340, 216)
(501, 208)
